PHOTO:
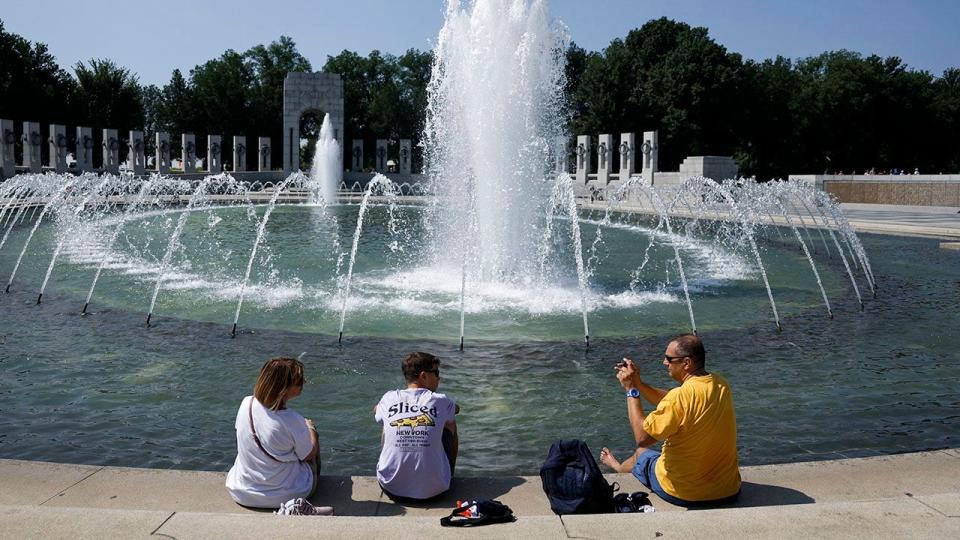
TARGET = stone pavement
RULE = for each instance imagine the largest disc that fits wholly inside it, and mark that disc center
(901, 496)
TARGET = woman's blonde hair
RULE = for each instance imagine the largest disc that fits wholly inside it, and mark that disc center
(276, 378)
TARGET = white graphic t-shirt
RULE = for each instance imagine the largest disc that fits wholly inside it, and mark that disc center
(412, 462)
(255, 479)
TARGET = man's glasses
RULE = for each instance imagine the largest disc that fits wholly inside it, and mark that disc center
(672, 359)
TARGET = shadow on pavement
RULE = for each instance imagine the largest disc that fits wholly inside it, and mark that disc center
(752, 494)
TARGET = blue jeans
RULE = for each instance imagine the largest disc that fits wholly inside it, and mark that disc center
(646, 472)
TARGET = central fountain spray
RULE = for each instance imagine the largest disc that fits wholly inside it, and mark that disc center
(495, 108)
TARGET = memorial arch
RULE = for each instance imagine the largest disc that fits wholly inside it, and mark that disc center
(303, 93)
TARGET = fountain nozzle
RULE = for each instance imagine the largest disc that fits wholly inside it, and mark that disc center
(233, 332)
(461, 343)
(340, 339)
(38, 298)
(84, 310)
(149, 315)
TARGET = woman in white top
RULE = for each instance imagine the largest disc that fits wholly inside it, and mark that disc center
(277, 449)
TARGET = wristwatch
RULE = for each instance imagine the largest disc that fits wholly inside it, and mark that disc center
(633, 392)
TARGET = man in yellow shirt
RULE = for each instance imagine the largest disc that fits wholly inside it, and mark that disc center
(695, 421)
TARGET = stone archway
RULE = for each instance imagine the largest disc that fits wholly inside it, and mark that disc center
(305, 92)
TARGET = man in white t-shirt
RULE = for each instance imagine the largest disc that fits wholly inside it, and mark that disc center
(420, 440)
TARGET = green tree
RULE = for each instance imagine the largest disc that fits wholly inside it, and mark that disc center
(769, 145)
(856, 110)
(221, 93)
(352, 69)
(109, 95)
(667, 76)
(946, 107)
(385, 96)
(270, 65)
(32, 86)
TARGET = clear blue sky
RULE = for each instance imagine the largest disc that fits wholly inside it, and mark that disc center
(153, 38)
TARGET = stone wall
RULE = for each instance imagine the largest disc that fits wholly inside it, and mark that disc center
(309, 92)
(912, 190)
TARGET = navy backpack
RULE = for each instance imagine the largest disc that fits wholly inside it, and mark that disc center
(573, 482)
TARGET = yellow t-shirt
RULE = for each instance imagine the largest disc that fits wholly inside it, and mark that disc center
(698, 427)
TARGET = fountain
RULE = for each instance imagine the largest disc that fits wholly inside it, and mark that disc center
(327, 170)
(497, 249)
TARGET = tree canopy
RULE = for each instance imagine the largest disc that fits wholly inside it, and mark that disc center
(837, 111)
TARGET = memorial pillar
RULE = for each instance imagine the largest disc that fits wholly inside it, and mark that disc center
(583, 159)
(163, 152)
(356, 164)
(58, 148)
(406, 156)
(562, 166)
(8, 141)
(381, 156)
(111, 152)
(649, 149)
(628, 166)
(264, 155)
(136, 155)
(239, 153)
(31, 147)
(604, 153)
(214, 164)
(188, 152)
(84, 150)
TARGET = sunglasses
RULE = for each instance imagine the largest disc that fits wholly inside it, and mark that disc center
(672, 359)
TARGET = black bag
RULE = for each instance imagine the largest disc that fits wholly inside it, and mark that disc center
(638, 501)
(476, 513)
(573, 482)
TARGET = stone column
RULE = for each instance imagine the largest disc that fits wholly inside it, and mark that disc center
(84, 150)
(111, 151)
(356, 163)
(8, 141)
(560, 160)
(163, 152)
(239, 153)
(136, 155)
(628, 166)
(214, 163)
(58, 148)
(649, 149)
(583, 158)
(406, 156)
(188, 152)
(604, 153)
(380, 157)
(264, 154)
(31, 146)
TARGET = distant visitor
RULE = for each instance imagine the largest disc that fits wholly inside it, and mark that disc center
(277, 449)
(695, 421)
(419, 436)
